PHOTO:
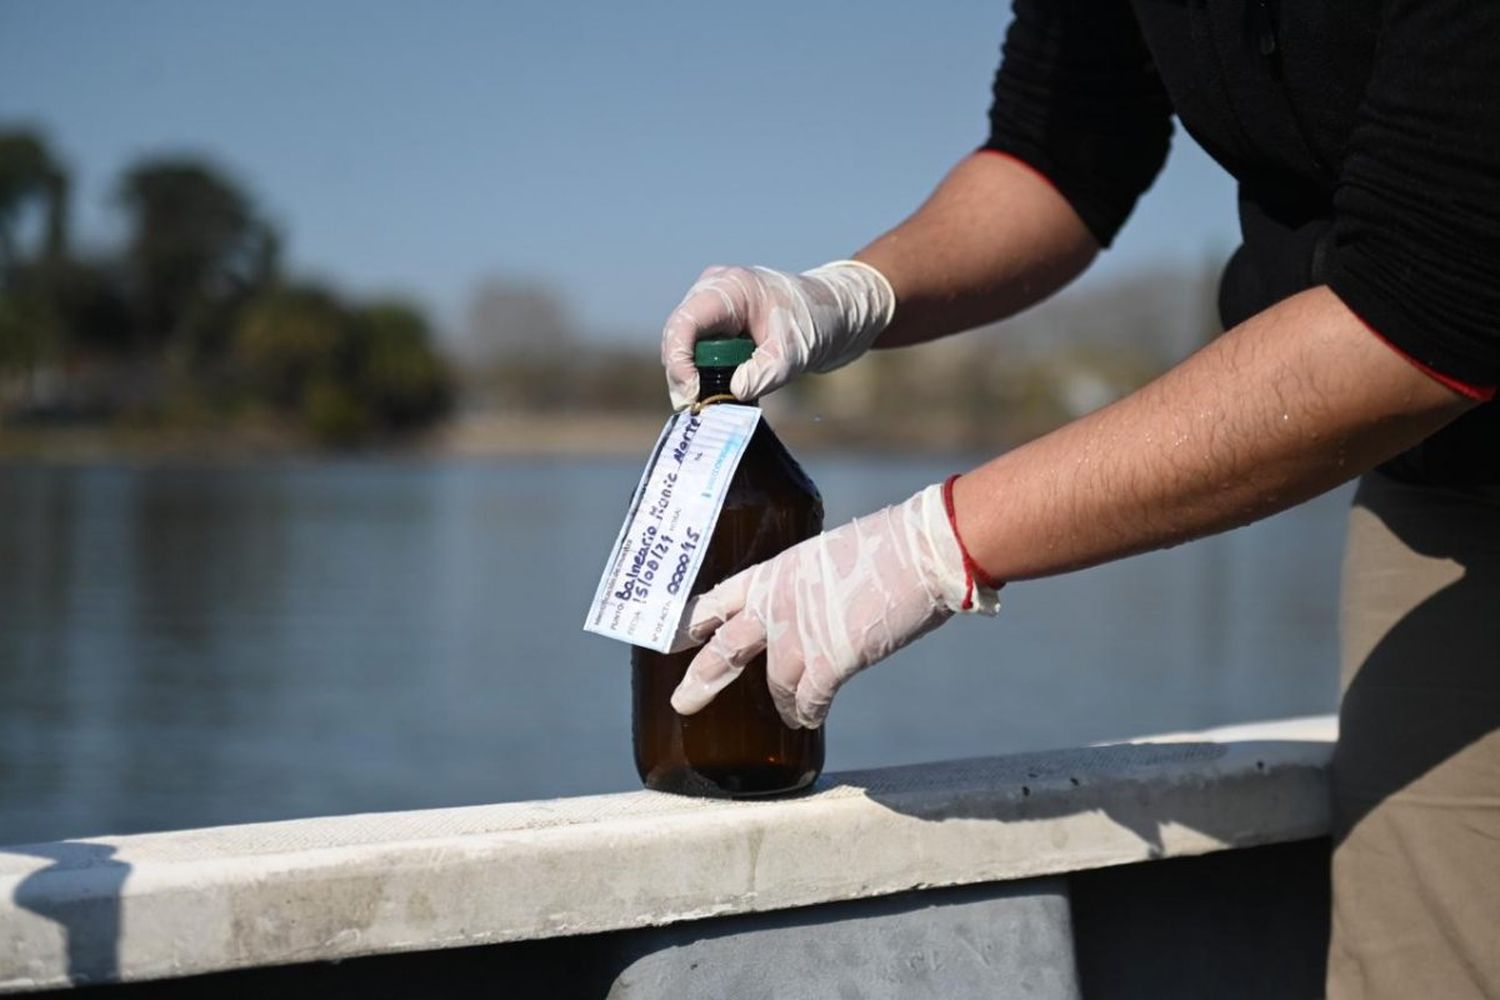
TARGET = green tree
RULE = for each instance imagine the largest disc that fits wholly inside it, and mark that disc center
(288, 338)
(55, 304)
(343, 373)
(196, 247)
(29, 174)
(32, 334)
(398, 373)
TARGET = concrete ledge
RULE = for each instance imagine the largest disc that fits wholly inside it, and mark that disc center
(188, 902)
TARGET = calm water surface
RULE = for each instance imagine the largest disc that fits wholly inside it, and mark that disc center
(194, 646)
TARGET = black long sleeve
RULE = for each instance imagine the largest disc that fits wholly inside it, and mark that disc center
(1417, 207)
(1077, 97)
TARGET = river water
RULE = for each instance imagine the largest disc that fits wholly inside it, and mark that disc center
(189, 646)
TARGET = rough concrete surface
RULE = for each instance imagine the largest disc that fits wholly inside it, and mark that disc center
(173, 904)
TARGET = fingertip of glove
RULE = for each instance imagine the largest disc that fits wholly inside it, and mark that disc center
(685, 702)
(700, 618)
(786, 706)
(692, 694)
(810, 721)
(739, 383)
(683, 392)
(752, 380)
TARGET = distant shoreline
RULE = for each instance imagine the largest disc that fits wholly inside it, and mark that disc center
(480, 435)
(472, 436)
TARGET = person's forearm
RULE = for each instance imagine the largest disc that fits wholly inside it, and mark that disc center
(1285, 406)
(993, 239)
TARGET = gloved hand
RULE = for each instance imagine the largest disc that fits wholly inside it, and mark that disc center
(828, 607)
(815, 321)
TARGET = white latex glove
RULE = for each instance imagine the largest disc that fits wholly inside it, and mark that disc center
(828, 607)
(815, 321)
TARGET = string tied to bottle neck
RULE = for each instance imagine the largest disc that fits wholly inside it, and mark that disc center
(718, 397)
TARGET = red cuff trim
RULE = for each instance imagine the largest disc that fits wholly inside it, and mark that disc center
(972, 570)
(1482, 393)
(1016, 159)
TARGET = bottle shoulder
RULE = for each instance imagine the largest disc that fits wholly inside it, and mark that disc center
(768, 465)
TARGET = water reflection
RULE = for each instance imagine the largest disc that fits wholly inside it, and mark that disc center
(196, 646)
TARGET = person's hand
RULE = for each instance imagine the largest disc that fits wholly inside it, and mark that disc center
(815, 321)
(828, 607)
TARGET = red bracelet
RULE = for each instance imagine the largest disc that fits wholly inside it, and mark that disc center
(972, 570)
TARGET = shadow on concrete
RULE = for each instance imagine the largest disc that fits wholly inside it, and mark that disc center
(1238, 925)
(1235, 925)
(1053, 784)
(935, 934)
(90, 920)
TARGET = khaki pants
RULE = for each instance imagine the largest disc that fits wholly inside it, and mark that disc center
(1416, 776)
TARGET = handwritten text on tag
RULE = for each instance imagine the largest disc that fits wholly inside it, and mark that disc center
(659, 550)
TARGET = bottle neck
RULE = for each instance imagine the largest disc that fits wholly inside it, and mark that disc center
(714, 381)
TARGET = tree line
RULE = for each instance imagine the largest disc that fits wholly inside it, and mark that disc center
(999, 385)
(191, 318)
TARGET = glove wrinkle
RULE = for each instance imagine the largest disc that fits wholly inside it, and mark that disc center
(816, 321)
(835, 604)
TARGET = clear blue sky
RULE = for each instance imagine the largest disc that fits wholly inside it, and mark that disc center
(609, 149)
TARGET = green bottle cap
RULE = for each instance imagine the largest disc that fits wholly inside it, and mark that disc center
(723, 353)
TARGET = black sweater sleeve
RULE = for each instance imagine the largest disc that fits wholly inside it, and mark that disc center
(1417, 210)
(1078, 98)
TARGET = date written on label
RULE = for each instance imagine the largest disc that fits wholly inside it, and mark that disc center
(656, 557)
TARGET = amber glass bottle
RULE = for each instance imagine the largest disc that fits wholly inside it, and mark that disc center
(738, 745)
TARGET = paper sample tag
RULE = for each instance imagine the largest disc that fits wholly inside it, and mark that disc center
(660, 548)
